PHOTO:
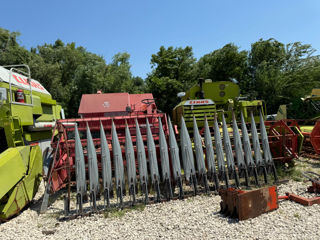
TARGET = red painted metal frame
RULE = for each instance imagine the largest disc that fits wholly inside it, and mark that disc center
(312, 137)
(282, 140)
(299, 199)
(59, 175)
(116, 104)
(315, 137)
(314, 188)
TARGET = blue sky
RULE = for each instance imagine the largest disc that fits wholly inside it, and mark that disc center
(140, 27)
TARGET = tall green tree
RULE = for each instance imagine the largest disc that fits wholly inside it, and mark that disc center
(273, 71)
(119, 76)
(10, 50)
(172, 72)
(223, 64)
(280, 73)
(68, 71)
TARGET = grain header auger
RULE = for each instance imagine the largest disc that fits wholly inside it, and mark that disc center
(122, 149)
(27, 117)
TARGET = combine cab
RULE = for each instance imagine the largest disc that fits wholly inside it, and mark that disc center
(27, 117)
(208, 98)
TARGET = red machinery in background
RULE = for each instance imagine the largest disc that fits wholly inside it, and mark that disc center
(314, 188)
(308, 137)
(116, 104)
(123, 109)
(283, 140)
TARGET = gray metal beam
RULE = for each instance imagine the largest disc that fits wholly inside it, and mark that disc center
(93, 169)
(212, 172)
(199, 155)
(220, 156)
(187, 156)
(233, 172)
(257, 150)
(164, 159)
(266, 148)
(153, 162)
(118, 163)
(175, 159)
(80, 170)
(142, 161)
(131, 165)
(242, 167)
(105, 166)
(252, 169)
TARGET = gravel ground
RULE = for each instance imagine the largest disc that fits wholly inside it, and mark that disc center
(193, 218)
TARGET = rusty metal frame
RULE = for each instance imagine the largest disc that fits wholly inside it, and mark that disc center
(283, 141)
(248, 204)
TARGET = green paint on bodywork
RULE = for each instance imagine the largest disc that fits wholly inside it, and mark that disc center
(20, 177)
(20, 165)
(226, 97)
(36, 136)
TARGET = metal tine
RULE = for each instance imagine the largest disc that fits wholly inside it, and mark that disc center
(93, 170)
(257, 150)
(131, 165)
(118, 163)
(251, 166)
(233, 172)
(266, 148)
(106, 167)
(199, 155)
(80, 171)
(153, 163)
(220, 156)
(142, 161)
(212, 172)
(187, 156)
(175, 159)
(164, 158)
(242, 167)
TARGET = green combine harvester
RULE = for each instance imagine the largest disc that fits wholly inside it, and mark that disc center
(305, 114)
(27, 117)
(207, 98)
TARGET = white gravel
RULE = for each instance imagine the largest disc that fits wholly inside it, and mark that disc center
(193, 218)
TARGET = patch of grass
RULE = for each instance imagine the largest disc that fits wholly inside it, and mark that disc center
(297, 215)
(117, 213)
(190, 199)
(289, 171)
(53, 215)
(113, 213)
(139, 207)
(61, 197)
(73, 196)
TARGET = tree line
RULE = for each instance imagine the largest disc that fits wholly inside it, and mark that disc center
(272, 71)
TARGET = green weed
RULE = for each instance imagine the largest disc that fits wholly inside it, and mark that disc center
(289, 171)
(297, 215)
(117, 213)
